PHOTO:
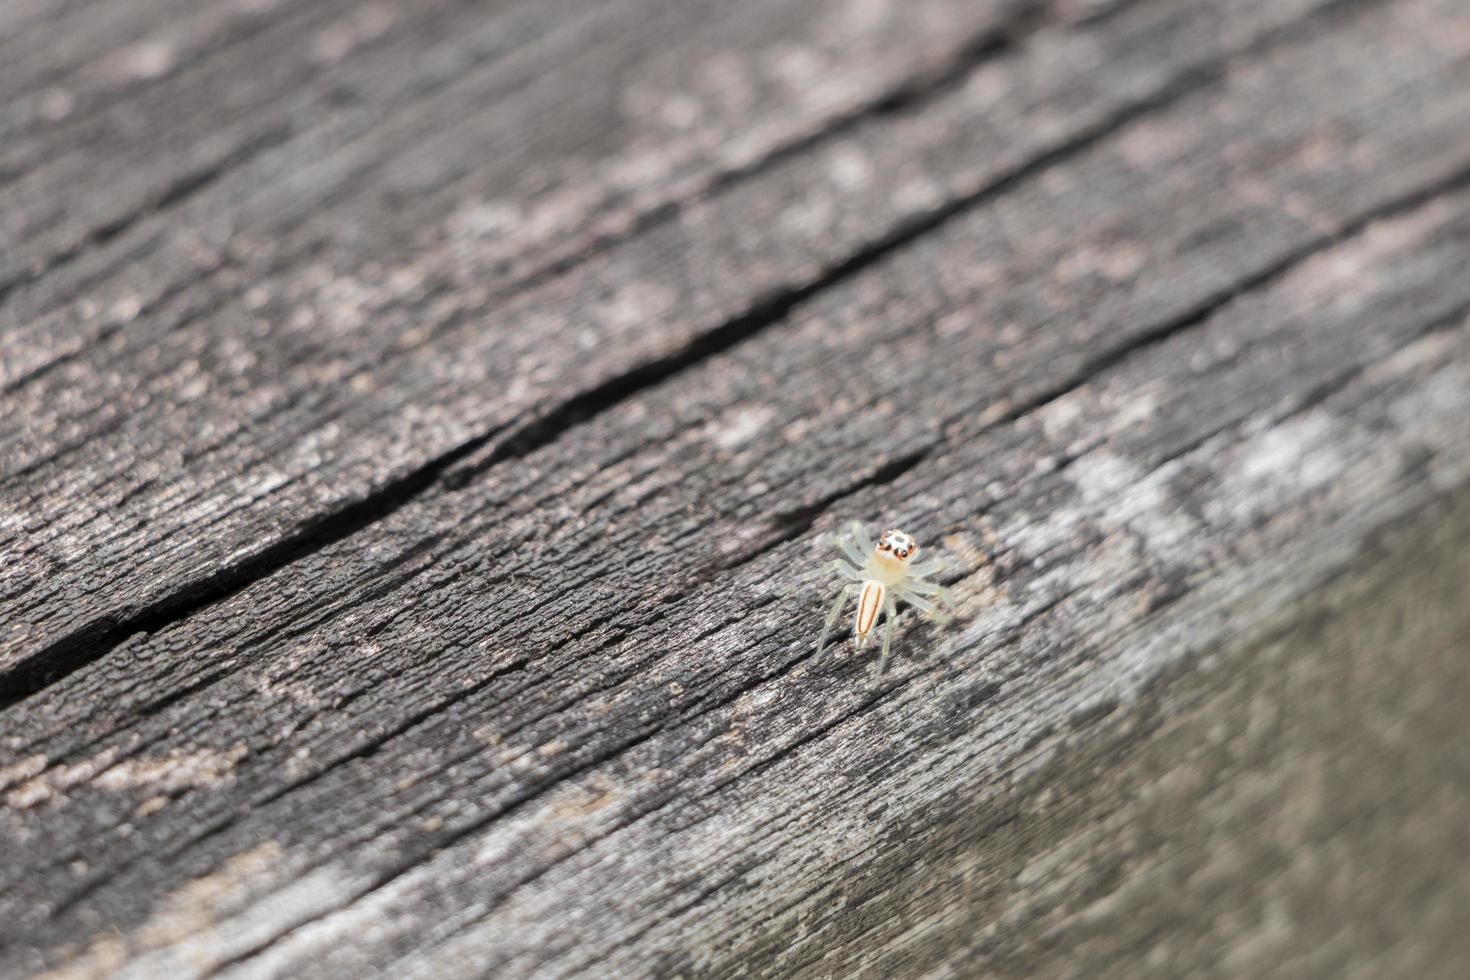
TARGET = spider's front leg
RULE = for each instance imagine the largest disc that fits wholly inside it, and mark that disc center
(853, 548)
(834, 567)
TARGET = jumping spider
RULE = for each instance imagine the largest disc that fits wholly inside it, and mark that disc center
(880, 575)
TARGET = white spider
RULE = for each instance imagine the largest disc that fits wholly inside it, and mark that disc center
(880, 575)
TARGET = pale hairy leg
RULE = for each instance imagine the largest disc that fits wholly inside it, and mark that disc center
(853, 551)
(890, 610)
(836, 611)
(926, 607)
(834, 567)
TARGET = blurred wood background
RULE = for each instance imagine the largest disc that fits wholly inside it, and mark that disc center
(415, 416)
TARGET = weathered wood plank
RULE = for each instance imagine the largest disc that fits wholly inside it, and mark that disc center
(175, 348)
(924, 713)
(448, 79)
(320, 419)
(576, 679)
(1266, 816)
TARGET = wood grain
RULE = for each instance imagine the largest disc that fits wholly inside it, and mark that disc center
(329, 398)
(432, 613)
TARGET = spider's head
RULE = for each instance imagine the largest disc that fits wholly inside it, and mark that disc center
(898, 544)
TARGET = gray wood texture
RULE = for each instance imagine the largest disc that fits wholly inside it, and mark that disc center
(417, 417)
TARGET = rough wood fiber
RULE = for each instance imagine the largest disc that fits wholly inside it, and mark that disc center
(1158, 372)
(405, 365)
(270, 321)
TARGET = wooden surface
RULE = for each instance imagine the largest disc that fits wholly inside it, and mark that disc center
(416, 416)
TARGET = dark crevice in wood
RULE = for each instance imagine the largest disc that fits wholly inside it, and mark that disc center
(774, 308)
(791, 524)
(1314, 396)
(1201, 312)
(703, 707)
(99, 637)
(96, 639)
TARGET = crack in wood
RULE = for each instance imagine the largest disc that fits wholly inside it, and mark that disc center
(788, 525)
(100, 637)
(877, 694)
(1208, 307)
(984, 692)
(96, 639)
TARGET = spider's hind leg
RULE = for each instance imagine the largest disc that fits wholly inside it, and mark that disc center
(835, 567)
(928, 608)
(927, 569)
(890, 609)
(832, 615)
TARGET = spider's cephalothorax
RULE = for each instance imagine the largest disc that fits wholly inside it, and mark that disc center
(880, 575)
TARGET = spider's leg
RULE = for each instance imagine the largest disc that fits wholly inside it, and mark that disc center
(926, 607)
(864, 543)
(832, 617)
(933, 591)
(834, 567)
(927, 569)
(919, 587)
(853, 551)
(891, 611)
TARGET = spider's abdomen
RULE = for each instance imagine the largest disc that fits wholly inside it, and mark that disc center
(869, 603)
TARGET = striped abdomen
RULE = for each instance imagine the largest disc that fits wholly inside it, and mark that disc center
(869, 603)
